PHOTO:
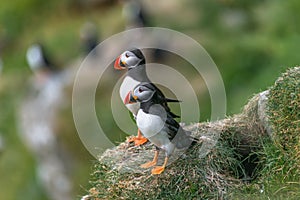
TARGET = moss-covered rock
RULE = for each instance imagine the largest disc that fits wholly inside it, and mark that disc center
(284, 112)
(232, 151)
(283, 156)
(208, 170)
(118, 175)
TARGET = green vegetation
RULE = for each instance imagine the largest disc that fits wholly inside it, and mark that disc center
(282, 156)
(279, 157)
(245, 162)
(187, 178)
(284, 112)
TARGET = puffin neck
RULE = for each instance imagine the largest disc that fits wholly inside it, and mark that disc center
(145, 106)
(138, 73)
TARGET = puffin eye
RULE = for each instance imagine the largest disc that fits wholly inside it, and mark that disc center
(140, 90)
(126, 55)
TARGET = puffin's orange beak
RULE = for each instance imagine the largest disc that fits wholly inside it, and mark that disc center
(129, 99)
(117, 64)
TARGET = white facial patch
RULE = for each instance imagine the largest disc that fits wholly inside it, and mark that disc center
(130, 59)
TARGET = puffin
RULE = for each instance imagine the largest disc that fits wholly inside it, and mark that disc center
(157, 123)
(37, 58)
(135, 63)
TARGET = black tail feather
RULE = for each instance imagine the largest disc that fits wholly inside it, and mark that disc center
(173, 100)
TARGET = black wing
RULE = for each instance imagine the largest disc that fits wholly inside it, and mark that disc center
(183, 138)
(172, 126)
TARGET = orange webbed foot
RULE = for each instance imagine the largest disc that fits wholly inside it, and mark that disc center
(158, 170)
(139, 139)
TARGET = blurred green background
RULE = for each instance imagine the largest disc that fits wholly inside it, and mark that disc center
(251, 42)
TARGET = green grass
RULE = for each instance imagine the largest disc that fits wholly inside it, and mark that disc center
(222, 174)
(275, 179)
(284, 112)
(189, 177)
(278, 177)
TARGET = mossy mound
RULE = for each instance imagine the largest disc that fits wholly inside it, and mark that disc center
(208, 170)
(279, 155)
(284, 111)
(118, 175)
(236, 156)
(284, 116)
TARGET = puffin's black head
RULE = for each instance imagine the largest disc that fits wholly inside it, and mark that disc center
(130, 59)
(143, 92)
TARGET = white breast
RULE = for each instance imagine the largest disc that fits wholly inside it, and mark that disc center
(152, 128)
(127, 85)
